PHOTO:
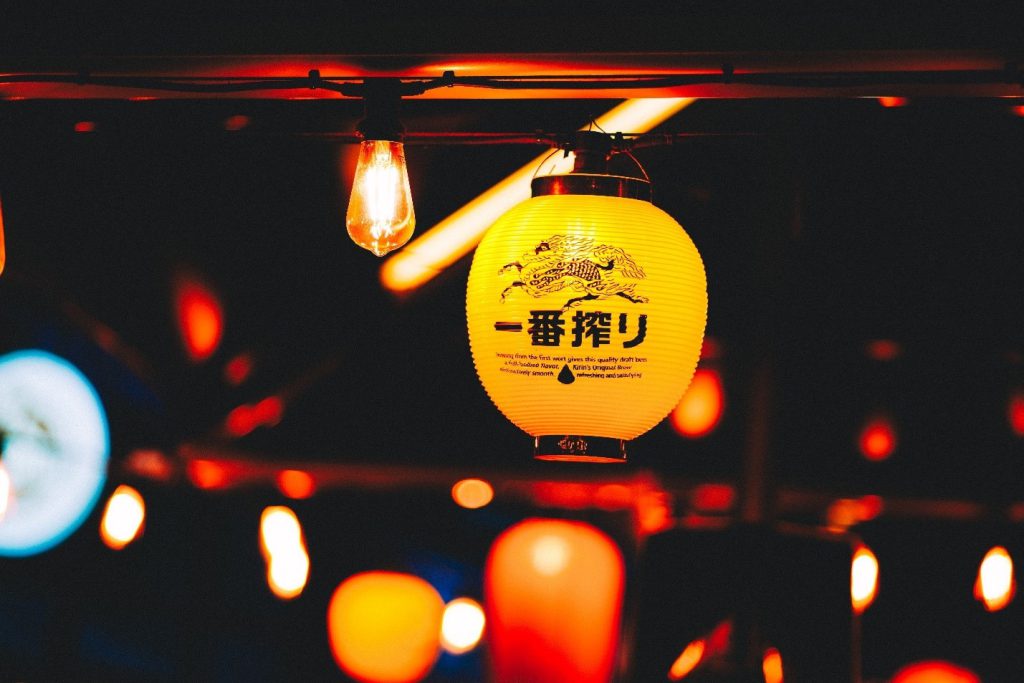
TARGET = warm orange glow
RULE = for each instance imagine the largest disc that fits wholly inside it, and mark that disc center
(877, 439)
(207, 474)
(385, 627)
(892, 101)
(123, 517)
(5, 491)
(296, 483)
(883, 349)
(472, 493)
(200, 319)
(771, 666)
(238, 369)
(284, 549)
(863, 579)
(687, 661)
(459, 233)
(1018, 109)
(934, 672)
(700, 409)
(380, 214)
(995, 585)
(554, 599)
(462, 625)
(1015, 413)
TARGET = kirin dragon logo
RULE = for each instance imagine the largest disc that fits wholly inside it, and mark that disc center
(575, 264)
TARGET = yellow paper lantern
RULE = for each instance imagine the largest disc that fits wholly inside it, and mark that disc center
(586, 308)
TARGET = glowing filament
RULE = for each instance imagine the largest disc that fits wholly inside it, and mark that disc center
(995, 584)
(123, 517)
(687, 661)
(285, 551)
(380, 213)
(863, 579)
(462, 625)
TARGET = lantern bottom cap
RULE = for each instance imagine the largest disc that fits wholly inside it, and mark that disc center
(575, 448)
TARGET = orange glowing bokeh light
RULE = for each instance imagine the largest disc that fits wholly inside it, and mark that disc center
(1015, 413)
(700, 409)
(123, 517)
(771, 666)
(385, 627)
(200, 318)
(553, 592)
(462, 625)
(472, 493)
(458, 234)
(863, 579)
(296, 484)
(995, 585)
(934, 672)
(284, 549)
(877, 439)
(1018, 109)
(889, 102)
(687, 661)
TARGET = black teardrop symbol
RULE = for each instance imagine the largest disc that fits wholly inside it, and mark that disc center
(566, 376)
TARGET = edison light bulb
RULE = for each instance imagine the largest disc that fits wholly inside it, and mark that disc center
(380, 214)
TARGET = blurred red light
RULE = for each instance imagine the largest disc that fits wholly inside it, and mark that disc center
(207, 474)
(238, 369)
(1019, 110)
(200, 318)
(246, 418)
(236, 122)
(892, 101)
(710, 349)
(878, 439)
(296, 483)
(883, 349)
(714, 497)
(85, 126)
(1015, 413)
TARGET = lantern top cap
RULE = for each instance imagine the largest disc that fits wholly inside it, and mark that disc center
(592, 184)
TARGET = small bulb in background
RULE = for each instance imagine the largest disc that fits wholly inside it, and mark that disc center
(123, 518)
(462, 625)
(380, 214)
(863, 579)
(995, 584)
